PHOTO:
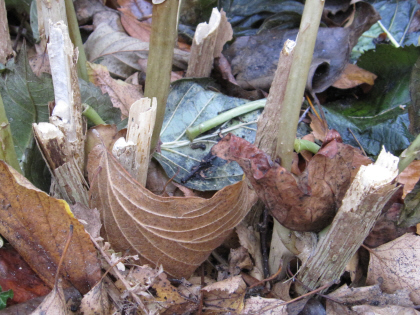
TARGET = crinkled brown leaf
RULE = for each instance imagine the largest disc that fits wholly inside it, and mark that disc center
(37, 227)
(308, 203)
(178, 233)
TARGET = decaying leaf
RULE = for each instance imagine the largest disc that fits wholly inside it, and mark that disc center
(37, 226)
(178, 233)
(224, 296)
(166, 299)
(54, 303)
(16, 275)
(308, 203)
(122, 94)
(395, 266)
(95, 301)
(352, 76)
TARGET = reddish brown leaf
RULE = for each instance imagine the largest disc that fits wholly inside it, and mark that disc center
(307, 203)
(37, 226)
(15, 274)
(178, 233)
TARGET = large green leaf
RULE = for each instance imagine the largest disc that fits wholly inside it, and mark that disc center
(189, 104)
(380, 117)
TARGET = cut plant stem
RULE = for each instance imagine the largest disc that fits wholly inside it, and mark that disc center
(92, 115)
(302, 144)
(302, 57)
(159, 63)
(361, 206)
(195, 131)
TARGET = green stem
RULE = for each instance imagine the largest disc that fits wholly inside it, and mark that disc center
(76, 39)
(159, 63)
(301, 144)
(296, 82)
(391, 38)
(7, 148)
(193, 132)
(92, 115)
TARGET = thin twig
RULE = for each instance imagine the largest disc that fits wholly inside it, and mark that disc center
(63, 254)
(268, 279)
(263, 236)
(361, 148)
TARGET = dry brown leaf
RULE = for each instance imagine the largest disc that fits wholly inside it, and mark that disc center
(395, 266)
(319, 127)
(54, 303)
(37, 226)
(178, 233)
(353, 76)
(122, 94)
(409, 177)
(225, 296)
(90, 218)
(135, 28)
(306, 204)
(95, 301)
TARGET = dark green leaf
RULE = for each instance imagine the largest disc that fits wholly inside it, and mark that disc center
(379, 117)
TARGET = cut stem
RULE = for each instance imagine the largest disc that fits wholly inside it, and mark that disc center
(92, 115)
(195, 131)
(302, 144)
(159, 63)
(302, 57)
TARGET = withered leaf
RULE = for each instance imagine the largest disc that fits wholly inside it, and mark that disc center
(178, 233)
(53, 304)
(307, 203)
(37, 227)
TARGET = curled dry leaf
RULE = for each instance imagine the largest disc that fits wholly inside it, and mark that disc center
(178, 233)
(37, 227)
(307, 203)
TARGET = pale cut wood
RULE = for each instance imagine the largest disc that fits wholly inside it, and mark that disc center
(208, 44)
(62, 140)
(70, 183)
(53, 11)
(5, 42)
(134, 152)
(267, 125)
(369, 192)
